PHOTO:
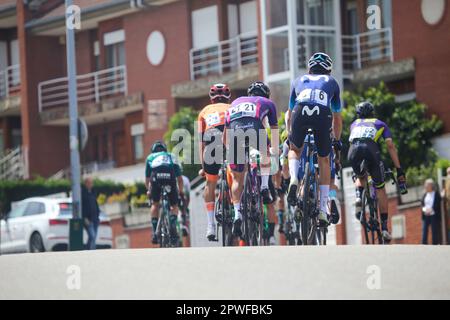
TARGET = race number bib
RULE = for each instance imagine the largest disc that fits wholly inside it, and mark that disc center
(212, 119)
(362, 132)
(160, 161)
(313, 96)
(246, 109)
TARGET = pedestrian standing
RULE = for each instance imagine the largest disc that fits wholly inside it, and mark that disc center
(431, 212)
(90, 212)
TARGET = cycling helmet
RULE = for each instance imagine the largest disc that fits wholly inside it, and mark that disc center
(259, 88)
(320, 63)
(219, 91)
(159, 146)
(365, 110)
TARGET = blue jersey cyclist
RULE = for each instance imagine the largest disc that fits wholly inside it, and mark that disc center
(314, 104)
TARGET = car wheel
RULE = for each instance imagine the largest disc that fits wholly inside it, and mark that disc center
(36, 244)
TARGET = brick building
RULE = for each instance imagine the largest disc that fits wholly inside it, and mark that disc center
(139, 61)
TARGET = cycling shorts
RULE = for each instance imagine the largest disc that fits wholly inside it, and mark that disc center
(367, 150)
(307, 116)
(160, 177)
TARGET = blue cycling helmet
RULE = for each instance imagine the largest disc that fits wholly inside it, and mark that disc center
(320, 63)
(159, 146)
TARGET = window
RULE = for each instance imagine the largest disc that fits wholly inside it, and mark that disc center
(2, 146)
(16, 138)
(351, 17)
(278, 52)
(138, 145)
(386, 11)
(315, 12)
(34, 208)
(137, 133)
(276, 13)
(205, 27)
(248, 17)
(115, 48)
(18, 211)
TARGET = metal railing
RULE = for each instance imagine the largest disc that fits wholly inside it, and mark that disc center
(366, 49)
(12, 165)
(9, 80)
(92, 88)
(226, 56)
(86, 169)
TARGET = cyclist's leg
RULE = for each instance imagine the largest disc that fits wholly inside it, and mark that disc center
(376, 170)
(322, 138)
(155, 195)
(271, 212)
(212, 171)
(356, 156)
(296, 139)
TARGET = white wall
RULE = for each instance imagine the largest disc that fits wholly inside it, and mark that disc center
(205, 27)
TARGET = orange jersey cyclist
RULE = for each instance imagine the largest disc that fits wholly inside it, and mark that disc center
(211, 121)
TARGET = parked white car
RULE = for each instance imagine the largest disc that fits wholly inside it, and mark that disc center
(42, 224)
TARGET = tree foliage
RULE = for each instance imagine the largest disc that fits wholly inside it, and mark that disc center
(185, 118)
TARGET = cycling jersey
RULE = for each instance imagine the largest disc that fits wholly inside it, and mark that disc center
(162, 159)
(364, 137)
(313, 99)
(318, 90)
(212, 116)
(371, 129)
(248, 113)
(252, 107)
(211, 124)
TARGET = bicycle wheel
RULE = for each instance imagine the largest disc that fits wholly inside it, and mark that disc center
(227, 224)
(364, 221)
(305, 221)
(246, 208)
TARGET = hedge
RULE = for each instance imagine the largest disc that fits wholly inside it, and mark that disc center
(16, 190)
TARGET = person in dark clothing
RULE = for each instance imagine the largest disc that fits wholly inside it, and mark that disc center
(431, 212)
(90, 212)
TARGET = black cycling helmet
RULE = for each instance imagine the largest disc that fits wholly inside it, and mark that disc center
(320, 63)
(258, 88)
(365, 110)
(159, 146)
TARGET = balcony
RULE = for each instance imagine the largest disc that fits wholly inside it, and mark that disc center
(102, 95)
(9, 90)
(227, 56)
(366, 50)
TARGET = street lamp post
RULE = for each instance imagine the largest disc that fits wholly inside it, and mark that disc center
(76, 225)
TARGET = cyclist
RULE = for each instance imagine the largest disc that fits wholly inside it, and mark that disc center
(246, 115)
(211, 121)
(314, 103)
(334, 213)
(162, 169)
(365, 133)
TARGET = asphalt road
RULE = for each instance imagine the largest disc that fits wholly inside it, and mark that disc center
(334, 272)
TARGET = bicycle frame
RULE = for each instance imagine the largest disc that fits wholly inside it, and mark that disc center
(311, 232)
(224, 209)
(163, 225)
(252, 210)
